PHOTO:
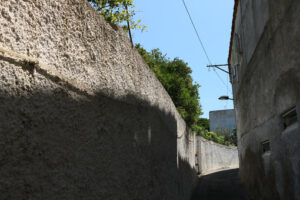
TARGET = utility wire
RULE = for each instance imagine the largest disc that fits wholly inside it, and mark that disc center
(201, 43)
(221, 79)
(188, 12)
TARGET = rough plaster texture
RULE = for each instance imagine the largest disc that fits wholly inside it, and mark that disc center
(122, 140)
(222, 119)
(212, 156)
(268, 85)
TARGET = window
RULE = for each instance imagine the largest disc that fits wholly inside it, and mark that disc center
(266, 146)
(289, 117)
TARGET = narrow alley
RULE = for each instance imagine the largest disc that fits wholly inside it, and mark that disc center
(219, 185)
(132, 100)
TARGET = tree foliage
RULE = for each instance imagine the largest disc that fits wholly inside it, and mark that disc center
(228, 134)
(175, 76)
(117, 12)
(221, 139)
(203, 122)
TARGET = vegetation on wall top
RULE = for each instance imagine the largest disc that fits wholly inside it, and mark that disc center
(175, 76)
(118, 12)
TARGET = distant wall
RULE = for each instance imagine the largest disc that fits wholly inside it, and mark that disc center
(82, 115)
(212, 156)
(223, 119)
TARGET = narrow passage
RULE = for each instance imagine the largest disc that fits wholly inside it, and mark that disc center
(221, 185)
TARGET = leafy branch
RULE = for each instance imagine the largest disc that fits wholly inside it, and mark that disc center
(116, 12)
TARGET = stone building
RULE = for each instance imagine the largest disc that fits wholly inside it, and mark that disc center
(264, 60)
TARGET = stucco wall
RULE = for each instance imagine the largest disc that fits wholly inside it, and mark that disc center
(268, 86)
(212, 156)
(222, 119)
(82, 116)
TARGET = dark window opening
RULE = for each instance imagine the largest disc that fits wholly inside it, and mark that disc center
(289, 117)
(266, 146)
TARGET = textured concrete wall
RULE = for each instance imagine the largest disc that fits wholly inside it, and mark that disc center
(268, 85)
(212, 156)
(84, 117)
(222, 119)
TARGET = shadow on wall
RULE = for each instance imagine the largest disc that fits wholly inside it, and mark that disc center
(56, 144)
(261, 184)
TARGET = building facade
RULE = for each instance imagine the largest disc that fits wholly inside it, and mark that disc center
(264, 60)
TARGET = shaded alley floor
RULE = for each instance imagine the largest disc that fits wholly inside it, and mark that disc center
(221, 185)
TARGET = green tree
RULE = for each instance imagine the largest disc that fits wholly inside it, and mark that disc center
(203, 122)
(175, 76)
(228, 134)
(117, 12)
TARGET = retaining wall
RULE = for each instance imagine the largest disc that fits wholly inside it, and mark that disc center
(82, 116)
(212, 156)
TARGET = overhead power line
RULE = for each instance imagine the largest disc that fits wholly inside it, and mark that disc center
(188, 12)
(221, 79)
(201, 43)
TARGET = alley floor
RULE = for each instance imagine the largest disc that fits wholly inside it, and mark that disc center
(221, 185)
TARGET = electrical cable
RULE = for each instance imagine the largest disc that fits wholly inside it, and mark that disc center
(201, 43)
(220, 78)
(188, 12)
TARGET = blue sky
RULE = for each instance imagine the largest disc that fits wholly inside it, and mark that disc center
(170, 30)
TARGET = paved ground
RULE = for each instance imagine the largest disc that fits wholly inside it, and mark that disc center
(222, 185)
